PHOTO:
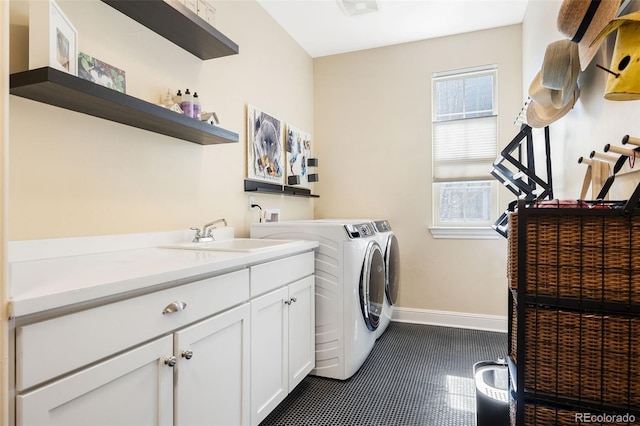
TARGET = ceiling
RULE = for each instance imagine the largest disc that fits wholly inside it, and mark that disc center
(322, 29)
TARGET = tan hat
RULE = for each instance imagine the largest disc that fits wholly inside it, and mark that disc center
(623, 83)
(540, 110)
(582, 20)
(560, 71)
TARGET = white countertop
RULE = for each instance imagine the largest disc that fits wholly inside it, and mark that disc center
(44, 281)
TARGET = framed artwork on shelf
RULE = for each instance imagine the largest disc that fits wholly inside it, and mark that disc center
(298, 147)
(53, 40)
(265, 153)
(92, 69)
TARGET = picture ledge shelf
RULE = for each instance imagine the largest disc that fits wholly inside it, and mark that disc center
(57, 88)
(274, 188)
(175, 22)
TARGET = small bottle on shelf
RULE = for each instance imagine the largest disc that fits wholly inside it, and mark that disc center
(168, 100)
(187, 103)
(196, 106)
(178, 98)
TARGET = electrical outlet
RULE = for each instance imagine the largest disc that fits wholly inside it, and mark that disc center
(252, 201)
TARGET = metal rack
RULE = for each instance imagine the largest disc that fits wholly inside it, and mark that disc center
(574, 311)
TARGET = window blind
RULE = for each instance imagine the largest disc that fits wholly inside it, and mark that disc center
(464, 149)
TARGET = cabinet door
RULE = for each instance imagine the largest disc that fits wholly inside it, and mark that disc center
(212, 373)
(134, 388)
(269, 353)
(302, 337)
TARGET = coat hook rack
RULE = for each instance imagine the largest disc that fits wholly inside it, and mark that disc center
(603, 156)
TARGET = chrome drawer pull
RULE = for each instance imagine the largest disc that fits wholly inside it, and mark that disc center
(188, 354)
(174, 307)
(170, 361)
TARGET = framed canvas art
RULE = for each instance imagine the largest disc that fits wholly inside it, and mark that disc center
(265, 153)
(53, 40)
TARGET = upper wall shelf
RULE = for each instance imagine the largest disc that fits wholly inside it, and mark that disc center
(63, 90)
(175, 22)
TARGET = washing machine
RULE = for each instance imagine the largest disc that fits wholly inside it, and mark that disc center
(350, 289)
(391, 254)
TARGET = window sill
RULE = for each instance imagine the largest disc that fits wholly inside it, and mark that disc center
(484, 233)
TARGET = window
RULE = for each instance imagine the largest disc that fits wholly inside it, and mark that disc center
(464, 147)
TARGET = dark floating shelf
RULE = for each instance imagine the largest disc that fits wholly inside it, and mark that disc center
(63, 90)
(175, 22)
(272, 188)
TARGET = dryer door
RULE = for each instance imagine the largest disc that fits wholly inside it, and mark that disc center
(392, 270)
(372, 283)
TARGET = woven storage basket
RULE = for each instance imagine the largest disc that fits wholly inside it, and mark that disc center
(536, 414)
(577, 255)
(581, 355)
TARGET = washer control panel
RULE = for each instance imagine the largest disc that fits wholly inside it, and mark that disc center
(360, 230)
(382, 226)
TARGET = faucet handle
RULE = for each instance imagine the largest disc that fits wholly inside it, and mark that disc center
(198, 234)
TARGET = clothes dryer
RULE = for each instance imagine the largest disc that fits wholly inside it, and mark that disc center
(391, 253)
(350, 289)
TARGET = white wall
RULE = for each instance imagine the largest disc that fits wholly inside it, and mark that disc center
(594, 121)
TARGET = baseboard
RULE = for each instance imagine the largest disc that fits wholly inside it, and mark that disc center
(451, 319)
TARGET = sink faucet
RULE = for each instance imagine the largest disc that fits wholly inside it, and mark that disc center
(205, 234)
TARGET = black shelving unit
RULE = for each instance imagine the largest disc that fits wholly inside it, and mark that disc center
(271, 188)
(54, 87)
(565, 372)
(175, 22)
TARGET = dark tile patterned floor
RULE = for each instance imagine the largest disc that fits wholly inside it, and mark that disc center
(415, 375)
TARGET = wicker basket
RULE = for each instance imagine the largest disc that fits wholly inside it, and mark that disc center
(581, 355)
(536, 414)
(576, 255)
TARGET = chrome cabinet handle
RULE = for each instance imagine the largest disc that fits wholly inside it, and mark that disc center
(174, 307)
(293, 299)
(170, 361)
(188, 354)
(290, 301)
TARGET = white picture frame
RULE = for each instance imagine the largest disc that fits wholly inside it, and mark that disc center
(53, 40)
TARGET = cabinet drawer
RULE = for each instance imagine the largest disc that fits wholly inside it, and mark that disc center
(53, 347)
(271, 275)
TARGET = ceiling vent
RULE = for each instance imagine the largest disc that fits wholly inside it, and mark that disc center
(358, 7)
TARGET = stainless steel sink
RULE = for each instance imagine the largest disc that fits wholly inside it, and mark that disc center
(234, 244)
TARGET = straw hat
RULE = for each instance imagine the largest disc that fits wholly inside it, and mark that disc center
(560, 71)
(582, 20)
(624, 83)
(541, 112)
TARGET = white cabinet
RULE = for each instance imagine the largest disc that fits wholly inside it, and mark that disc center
(282, 344)
(225, 350)
(134, 388)
(302, 337)
(206, 341)
(212, 375)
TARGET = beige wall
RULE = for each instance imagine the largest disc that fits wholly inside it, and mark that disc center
(373, 130)
(74, 175)
(4, 142)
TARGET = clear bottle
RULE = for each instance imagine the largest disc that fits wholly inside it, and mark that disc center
(187, 103)
(196, 106)
(168, 100)
(178, 98)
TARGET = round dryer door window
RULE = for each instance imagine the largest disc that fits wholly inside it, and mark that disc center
(392, 262)
(372, 284)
